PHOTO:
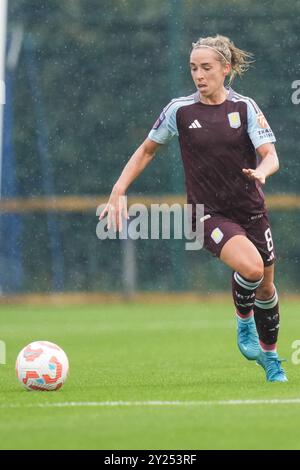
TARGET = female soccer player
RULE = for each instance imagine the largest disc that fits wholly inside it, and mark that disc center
(219, 133)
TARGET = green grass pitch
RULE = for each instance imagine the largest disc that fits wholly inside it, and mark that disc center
(184, 352)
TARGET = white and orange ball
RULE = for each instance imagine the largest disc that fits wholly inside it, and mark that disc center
(42, 366)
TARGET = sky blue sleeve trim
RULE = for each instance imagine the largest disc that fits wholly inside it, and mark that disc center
(265, 141)
(165, 126)
(153, 135)
(258, 128)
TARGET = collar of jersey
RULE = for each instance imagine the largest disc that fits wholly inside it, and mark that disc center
(228, 97)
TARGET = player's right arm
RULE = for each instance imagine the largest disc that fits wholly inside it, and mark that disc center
(116, 206)
(163, 130)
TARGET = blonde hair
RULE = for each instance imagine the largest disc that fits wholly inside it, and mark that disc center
(228, 53)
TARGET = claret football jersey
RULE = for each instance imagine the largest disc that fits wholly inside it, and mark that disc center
(217, 142)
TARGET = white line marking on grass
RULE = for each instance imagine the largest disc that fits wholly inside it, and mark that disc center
(103, 404)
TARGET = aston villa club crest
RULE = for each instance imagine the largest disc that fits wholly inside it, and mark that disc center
(234, 120)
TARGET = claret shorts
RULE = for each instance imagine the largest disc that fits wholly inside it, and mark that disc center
(218, 229)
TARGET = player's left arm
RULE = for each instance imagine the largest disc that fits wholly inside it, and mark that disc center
(268, 166)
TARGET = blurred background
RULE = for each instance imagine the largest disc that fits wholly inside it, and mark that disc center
(85, 81)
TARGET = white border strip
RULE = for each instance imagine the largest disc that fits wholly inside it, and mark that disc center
(3, 25)
(102, 404)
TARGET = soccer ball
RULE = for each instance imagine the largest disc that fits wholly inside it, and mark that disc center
(42, 366)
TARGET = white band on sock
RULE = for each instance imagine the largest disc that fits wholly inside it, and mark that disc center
(249, 285)
(266, 304)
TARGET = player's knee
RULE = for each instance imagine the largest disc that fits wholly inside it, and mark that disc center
(254, 271)
(265, 291)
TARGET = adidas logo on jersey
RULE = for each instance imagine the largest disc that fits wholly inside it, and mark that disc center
(195, 125)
